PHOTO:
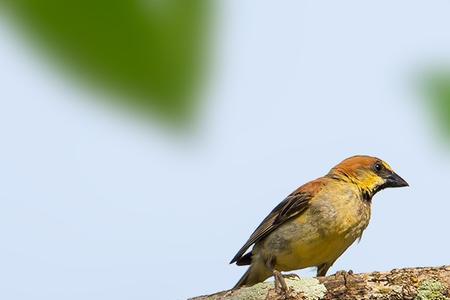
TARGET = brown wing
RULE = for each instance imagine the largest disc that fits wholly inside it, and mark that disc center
(292, 206)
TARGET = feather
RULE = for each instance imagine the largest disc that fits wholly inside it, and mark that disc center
(292, 206)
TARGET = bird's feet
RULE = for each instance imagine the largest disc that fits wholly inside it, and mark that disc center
(281, 287)
(291, 276)
(347, 275)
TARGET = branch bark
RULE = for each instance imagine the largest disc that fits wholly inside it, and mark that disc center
(409, 283)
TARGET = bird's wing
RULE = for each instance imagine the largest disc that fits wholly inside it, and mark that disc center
(293, 205)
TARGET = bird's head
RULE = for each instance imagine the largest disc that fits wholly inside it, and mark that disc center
(370, 174)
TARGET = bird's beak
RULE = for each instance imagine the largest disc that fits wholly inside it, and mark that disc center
(394, 180)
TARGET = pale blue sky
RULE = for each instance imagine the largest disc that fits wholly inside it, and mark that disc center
(98, 205)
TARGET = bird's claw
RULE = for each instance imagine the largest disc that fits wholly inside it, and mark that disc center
(281, 287)
(291, 276)
(345, 274)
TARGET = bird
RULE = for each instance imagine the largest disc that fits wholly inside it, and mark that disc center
(317, 222)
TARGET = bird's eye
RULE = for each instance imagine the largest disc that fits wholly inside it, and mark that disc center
(378, 167)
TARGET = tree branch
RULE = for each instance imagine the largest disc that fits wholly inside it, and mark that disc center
(409, 283)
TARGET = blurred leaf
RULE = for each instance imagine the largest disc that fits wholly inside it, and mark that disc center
(438, 89)
(148, 51)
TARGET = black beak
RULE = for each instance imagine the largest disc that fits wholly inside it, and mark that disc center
(393, 180)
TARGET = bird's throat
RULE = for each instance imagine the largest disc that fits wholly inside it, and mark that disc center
(367, 196)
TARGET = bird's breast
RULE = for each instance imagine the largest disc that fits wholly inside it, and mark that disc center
(335, 219)
(341, 214)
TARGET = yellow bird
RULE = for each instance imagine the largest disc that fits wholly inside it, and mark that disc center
(316, 223)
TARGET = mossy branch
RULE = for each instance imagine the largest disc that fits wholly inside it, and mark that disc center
(409, 283)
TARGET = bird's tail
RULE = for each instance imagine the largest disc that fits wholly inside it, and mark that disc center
(244, 279)
(254, 274)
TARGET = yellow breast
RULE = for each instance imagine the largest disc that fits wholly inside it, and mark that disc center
(335, 219)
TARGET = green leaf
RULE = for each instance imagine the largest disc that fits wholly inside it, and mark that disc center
(148, 52)
(438, 91)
